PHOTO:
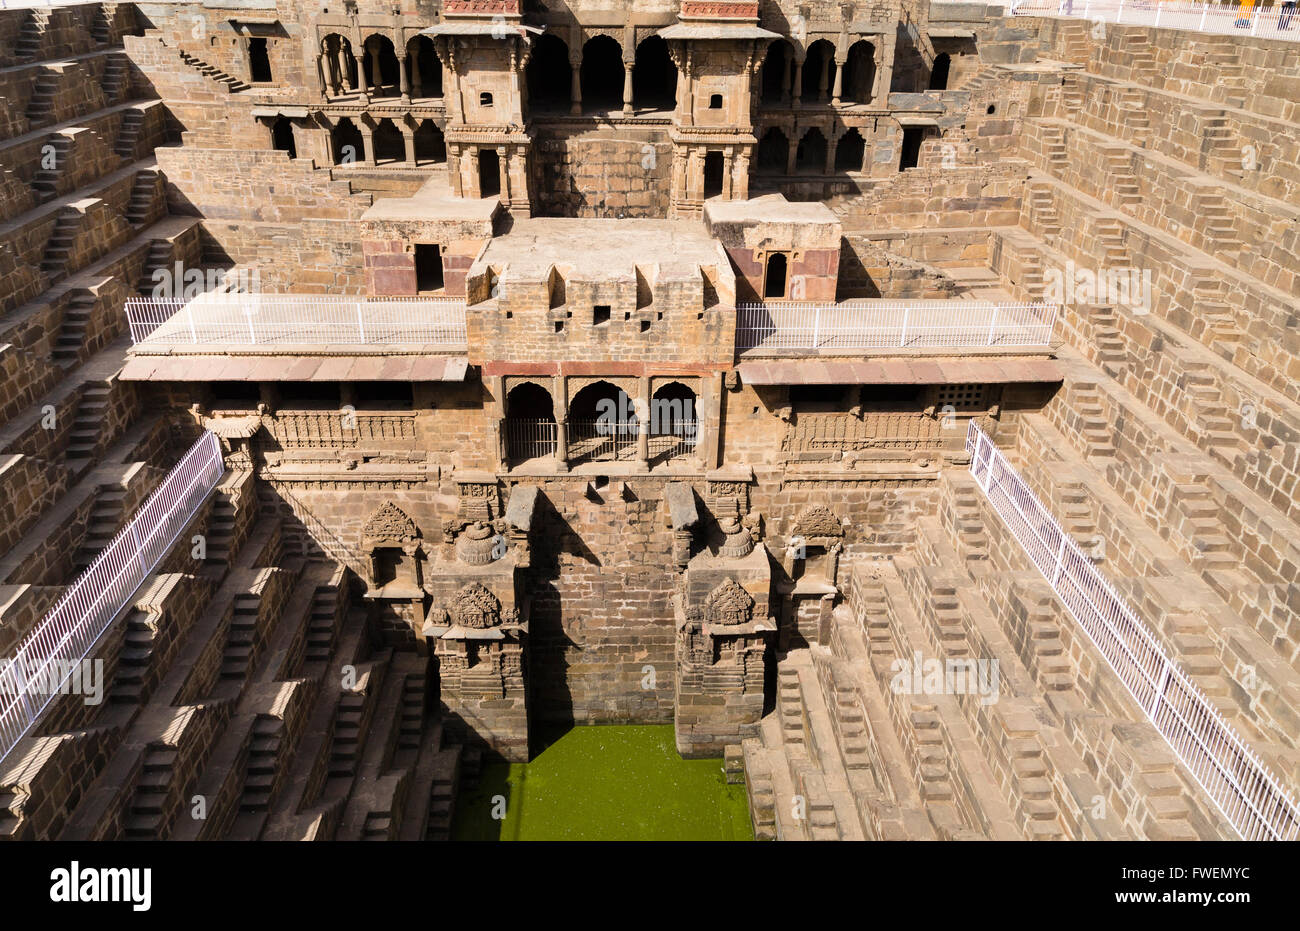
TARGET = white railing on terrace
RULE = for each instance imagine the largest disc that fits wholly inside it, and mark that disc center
(894, 325)
(1264, 22)
(221, 319)
(45, 658)
(1235, 779)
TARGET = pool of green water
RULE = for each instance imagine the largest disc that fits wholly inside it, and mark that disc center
(604, 783)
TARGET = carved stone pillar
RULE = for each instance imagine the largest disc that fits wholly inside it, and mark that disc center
(405, 88)
(575, 86)
(560, 404)
(796, 86)
(627, 88)
(408, 136)
(416, 82)
(642, 408)
(368, 144)
(740, 183)
(823, 80)
(363, 85)
(839, 81)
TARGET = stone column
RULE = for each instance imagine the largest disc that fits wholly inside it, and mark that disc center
(728, 158)
(627, 88)
(473, 172)
(368, 143)
(416, 81)
(786, 82)
(408, 136)
(362, 84)
(791, 155)
(838, 89)
(831, 145)
(405, 87)
(503, 172)
(575, 86)
(340, 63)
(377, 76)
(560, 403)
(740, 184)
(796, 85)
(884, 69)
(454, 170)
(642, 408)
(694, 177)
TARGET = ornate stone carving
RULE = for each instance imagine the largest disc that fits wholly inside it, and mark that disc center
(474, 606)
(729, 604)
(390, 526)
(818, 521)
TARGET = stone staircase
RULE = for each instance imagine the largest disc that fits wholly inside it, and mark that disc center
(133, 661)
(1220, 231)
(106, 518)
(143, 194)
(1214, 323)
(259, 774)
(1132, 104)
(321, 626)
(40, 106)
(1110, 241)
(72, 330)
(241, 637)
(58, 248)
(144, 815)
(1095, 428)
(232, 84)
(83, 440)
(345, 746)
(114, 80)
(221, 530)
(1054, 147)
(128, 132)
(1043, 215)
(45, 182)
(159, 256)
(1119, 166)
(1111, 354)
(32, 36)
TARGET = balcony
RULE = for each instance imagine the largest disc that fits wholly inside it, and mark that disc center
(894, 328)
(296, 337)
(291, 320)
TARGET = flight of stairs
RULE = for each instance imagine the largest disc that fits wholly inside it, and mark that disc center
(58, 248)
(1096, 431)
(133, 661)
(1043, 216)
(32, 37)
(259, 775)
(321, 625)
(45, 182)
(128, 132)
(114, 80)
(142, 197)
(345, 747)
(233, 84)
(103, 523)
(72, 330)
(1110, 346)
(144, 817)
(84, 437)
(1119, 165)
(238, 652)
(159, 256)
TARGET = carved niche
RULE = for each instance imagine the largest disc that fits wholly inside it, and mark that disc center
(475, 607)
(818, 523)
(391, 526)
(729, 605)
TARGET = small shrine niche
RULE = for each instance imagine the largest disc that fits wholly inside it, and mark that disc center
(813, 549)
(740, 528)
(393, 541)
(477, 530)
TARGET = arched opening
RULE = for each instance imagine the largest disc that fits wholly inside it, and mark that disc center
(430, 145)
(530, 423)
(390, 147)
(549, 75)
(849, 151)
(602, 425)
(654, 76)
(259, 62)
(810, 158)
(939, 72)
(424, 66)
(818, 72)
(349, 146)
(774, 79)
(773, 152)
(339, 65)
(282, 137)
(774, 275)
(489, 173)
(380, 62)
(859, 73)
(674, 422)
(602, 74)
(714, 171)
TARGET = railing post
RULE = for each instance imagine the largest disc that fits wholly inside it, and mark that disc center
(993, 322)
(139, 553)
(1205, 12)
(817, 325)
(1119, 15)
(902, 337)
(1158, 9)
(1060, 560)
(361, 329)
(1086, 7)
(252, 334)
(1259, 14)
(1160, 691)
(189, 314)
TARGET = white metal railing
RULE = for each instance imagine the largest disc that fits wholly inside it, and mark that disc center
(1235, 779)
(44, 659)
(223, 319)
(894, 325)
(1264, 22)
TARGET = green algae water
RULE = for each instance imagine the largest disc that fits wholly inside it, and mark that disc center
(606, 783)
